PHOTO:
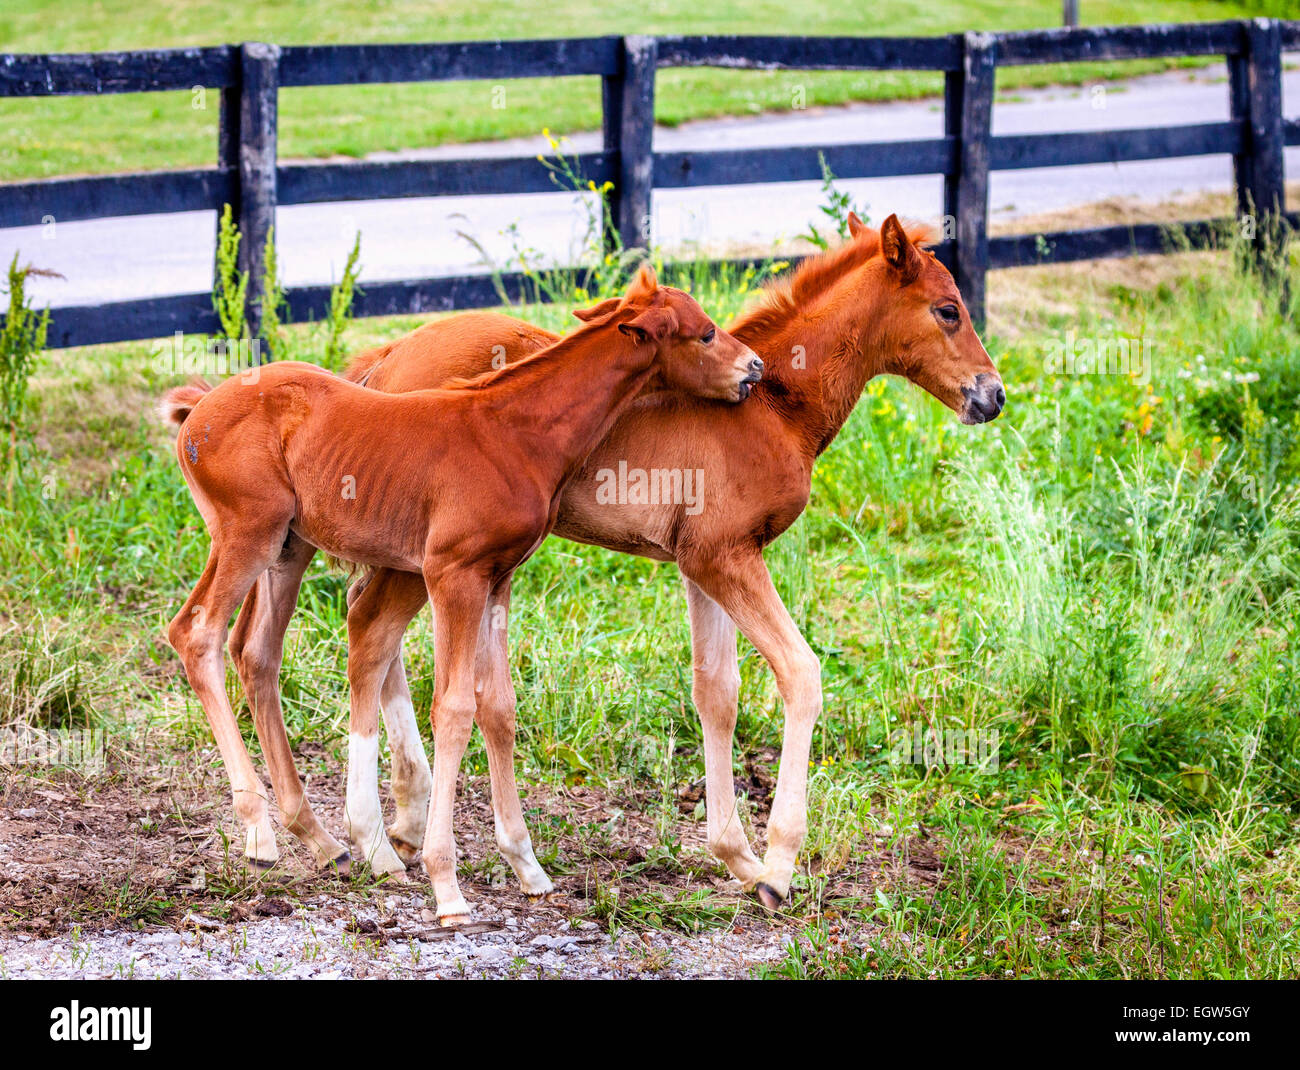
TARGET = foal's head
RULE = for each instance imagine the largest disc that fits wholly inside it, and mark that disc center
(928, 332)
(695, 355)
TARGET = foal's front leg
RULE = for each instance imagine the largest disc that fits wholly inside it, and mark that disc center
(496, 718)
(459, 600)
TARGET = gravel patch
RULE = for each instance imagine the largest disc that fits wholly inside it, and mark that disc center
(397, 938)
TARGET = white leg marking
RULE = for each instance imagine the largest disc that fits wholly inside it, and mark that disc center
(411, 780)
(362, 814)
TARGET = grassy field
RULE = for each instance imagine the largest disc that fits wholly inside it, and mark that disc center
(61, 136)
(1105, 578)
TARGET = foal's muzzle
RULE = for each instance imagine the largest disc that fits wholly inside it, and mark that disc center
(984, 399)
(747, 383)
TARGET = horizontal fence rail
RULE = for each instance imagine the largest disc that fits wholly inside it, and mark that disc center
(118, 72)
(468, 61)
(248, 177)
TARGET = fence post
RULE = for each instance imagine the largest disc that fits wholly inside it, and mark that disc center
(629, 100)
(954, 84)
(611, 125)
(228, 152)
(968, 190)
(1255, 85)
(259, 106)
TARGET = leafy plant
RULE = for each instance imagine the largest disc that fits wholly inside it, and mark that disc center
(229, 298)
(274, 302)
(602, 266)
(22, 338)
(340, 312)
(836, 206)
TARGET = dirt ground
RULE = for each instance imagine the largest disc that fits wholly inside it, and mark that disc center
(141, 877)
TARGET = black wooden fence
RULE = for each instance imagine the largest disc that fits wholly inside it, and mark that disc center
(248, 177)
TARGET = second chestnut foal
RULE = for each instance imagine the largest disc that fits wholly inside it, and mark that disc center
(457, 485)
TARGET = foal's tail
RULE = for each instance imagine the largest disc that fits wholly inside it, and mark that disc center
(176, 404)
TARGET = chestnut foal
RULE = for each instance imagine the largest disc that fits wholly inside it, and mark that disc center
(877, 305)
(458, 486)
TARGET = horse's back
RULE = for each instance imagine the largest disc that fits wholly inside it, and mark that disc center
(458, 347)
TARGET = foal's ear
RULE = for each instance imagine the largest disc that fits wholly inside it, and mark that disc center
(653, 325)
(857, 228)
(898, 250)
(644, 285)
(596, 311)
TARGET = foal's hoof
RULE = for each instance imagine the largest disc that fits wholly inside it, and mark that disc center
(385, 863)
(407, 852)
(341, 866)
(261, 865)
(452, 921)
(392, 876)
(537, 886)
(453, 912)
(768, 896)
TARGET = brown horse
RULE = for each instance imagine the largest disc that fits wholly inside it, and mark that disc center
(453, 487)
(877, 305)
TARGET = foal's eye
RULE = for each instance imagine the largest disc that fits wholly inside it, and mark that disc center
(707, 336)
(950, 314)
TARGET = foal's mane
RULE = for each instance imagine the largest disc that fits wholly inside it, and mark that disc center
(784, 299)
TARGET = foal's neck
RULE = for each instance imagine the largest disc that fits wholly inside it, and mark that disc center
(571, 393)
(820, 357)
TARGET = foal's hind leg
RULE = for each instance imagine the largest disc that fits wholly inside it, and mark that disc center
(742, 586)
(379, 610)
(198, 634)
(495, 692)
(397, 598)
(715, 692)
(257, 647)
(411, 779)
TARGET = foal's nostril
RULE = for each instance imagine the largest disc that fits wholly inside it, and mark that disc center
(756, 366)
(985, 398)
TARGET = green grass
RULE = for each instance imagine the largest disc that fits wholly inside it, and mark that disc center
(1106, 577)
(61, 136)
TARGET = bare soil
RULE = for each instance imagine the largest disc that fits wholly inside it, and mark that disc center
(127, 875)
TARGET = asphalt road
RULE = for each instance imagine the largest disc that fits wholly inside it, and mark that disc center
(122, 258)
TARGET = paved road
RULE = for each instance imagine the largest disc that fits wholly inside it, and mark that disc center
(117, 259)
